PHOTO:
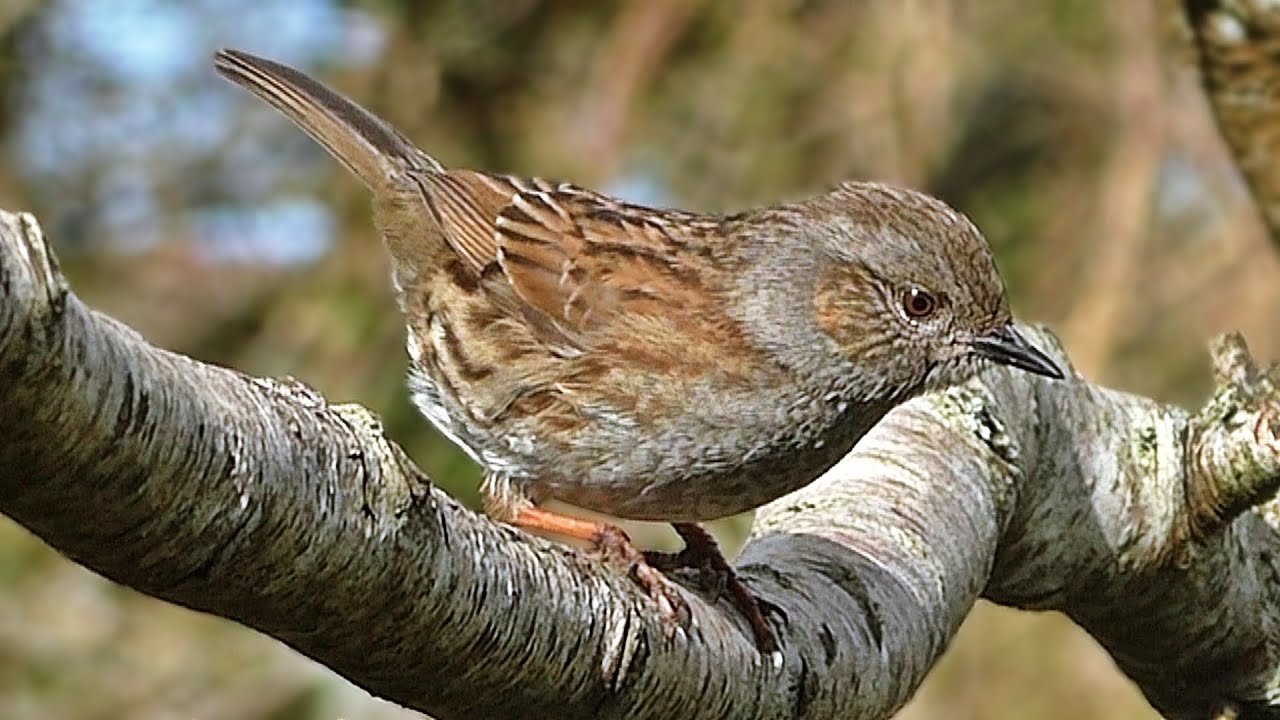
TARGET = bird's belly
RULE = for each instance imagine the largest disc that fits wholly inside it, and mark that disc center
(680, 497)
(678, 476)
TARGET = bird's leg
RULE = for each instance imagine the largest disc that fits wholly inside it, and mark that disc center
(703, 554)
(614, 546)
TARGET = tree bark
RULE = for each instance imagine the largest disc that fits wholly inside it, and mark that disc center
(256, 500)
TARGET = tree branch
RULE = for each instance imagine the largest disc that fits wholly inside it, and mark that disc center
(256, 500)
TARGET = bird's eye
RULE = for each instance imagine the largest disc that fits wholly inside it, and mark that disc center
(918, 303)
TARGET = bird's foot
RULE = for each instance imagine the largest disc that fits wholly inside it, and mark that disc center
(646, 569)
(616, 549)
(702, 553)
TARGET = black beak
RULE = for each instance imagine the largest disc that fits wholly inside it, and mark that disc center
(1007, 347)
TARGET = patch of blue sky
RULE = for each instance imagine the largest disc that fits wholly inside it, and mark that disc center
(136, 41)
(640, 189)
(131, 98)
(282, 232)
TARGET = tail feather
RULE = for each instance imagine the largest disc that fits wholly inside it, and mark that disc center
(360, 140)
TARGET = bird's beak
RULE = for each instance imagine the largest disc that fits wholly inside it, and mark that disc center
(1007, 347)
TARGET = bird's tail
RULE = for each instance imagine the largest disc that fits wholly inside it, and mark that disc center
(362, 141)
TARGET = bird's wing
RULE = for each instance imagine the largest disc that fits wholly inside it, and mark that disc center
(573, 262)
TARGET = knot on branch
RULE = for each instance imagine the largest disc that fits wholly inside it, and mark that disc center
(390, 483)
(1233, 444)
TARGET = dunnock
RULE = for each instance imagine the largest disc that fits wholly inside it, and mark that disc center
(654, 364)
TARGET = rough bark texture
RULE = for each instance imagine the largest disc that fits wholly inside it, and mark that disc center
(256, 500)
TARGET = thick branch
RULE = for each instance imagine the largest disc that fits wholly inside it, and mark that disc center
(255, 500)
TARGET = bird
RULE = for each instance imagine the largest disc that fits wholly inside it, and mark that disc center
(656, 364)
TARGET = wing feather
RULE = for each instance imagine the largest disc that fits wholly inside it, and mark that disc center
(573, 263)
(466, 210)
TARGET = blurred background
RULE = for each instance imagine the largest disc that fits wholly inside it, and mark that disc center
(1075, 135)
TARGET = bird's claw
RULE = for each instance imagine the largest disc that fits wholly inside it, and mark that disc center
(717, 577)
(616, 549)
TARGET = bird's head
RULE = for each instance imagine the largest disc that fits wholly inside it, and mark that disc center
(910, 291)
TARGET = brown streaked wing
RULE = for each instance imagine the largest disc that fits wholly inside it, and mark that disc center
(466, 204)
(582, 260)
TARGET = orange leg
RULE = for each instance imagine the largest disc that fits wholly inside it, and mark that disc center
(700, 552)
(616, 548)
(535, 518)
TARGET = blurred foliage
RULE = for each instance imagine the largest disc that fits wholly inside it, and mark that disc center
(1070, 132)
